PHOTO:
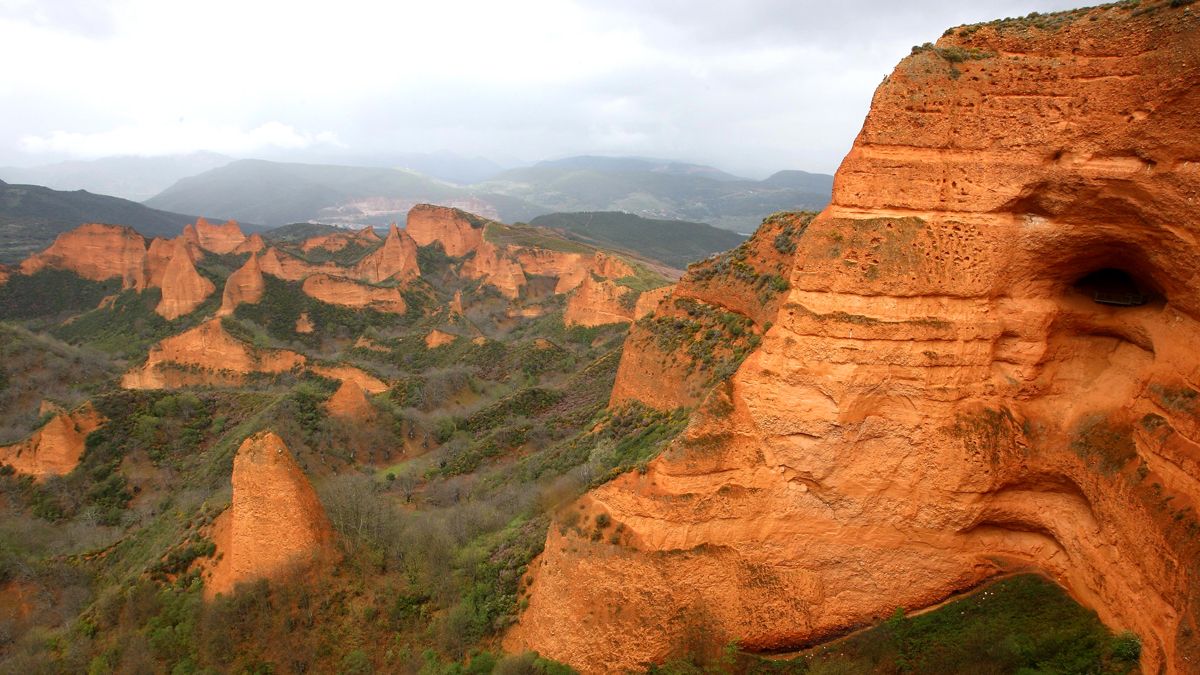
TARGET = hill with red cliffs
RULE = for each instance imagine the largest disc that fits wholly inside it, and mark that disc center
(55, 449)
(980, 359)
(275, 526)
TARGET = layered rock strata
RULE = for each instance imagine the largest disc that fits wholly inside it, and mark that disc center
(982, 362)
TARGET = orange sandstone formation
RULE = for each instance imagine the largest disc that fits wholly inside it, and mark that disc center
(955, 381)
(275, 526)
(97, 252)
(396, 259)
(55, 449)
(437, 338)
(599, 302)
(349, 402)
(648, 301)
(206, 355)
(290, 268)
(347, 293)
(304, 325)
(253, 244)
(224, 238)
(246, 285)
(495, 267)
(363, 379)
(183, 288)
(458, 231)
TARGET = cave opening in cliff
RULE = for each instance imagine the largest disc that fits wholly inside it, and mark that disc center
(1116, 287)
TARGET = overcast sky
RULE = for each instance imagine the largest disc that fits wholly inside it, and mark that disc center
(750, 86)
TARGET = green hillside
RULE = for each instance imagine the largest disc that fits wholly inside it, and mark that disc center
(31, 216)
(674, 242)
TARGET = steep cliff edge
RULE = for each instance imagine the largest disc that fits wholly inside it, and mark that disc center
(457, 231)
(695, 333)
(981, 362)
(96, 252)
(275, 526)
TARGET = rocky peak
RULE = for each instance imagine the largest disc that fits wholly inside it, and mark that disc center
(396, 259)
(224, 238)
(183, 288)
(97, 252)
(349, 402)
(275, 527)
(246, 285)
(458, 232)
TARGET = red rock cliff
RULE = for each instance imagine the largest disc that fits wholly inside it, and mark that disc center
(396, 259)
(96, 252)
(246, 285)
(275, 525)
(183, 288)
(458, 231)
(940, 396)
(55, 449)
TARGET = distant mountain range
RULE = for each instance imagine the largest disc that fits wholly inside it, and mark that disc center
(135, 178)
(31, 216)
(276, 193)
(673, 242)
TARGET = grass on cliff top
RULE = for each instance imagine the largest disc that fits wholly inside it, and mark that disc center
(1023, 625)
(525, 235)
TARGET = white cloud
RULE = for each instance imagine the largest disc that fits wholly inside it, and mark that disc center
(181, 137)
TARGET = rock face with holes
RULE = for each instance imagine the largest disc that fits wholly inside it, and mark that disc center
(940, 397)
(275, 526)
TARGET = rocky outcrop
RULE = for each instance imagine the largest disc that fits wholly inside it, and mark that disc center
(493, 266)
(288, 267)
(610, 267)
(304, 325)
(253, 244)
(220, 239)
(246, 285)
(275, 527)
(568, 268)
(648, 301)
(437, 338)
(206, 355)
(5, 273)
(941, 396)
(350, 403)
(396, 259)
(183, 288)
(55, 449)
(363, 379)
(666, 362)
(97, 252)
(348, 293)
(599, 301)
(339, 240)
(457, 231)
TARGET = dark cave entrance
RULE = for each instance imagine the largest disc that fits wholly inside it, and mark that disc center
(1116, 287)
